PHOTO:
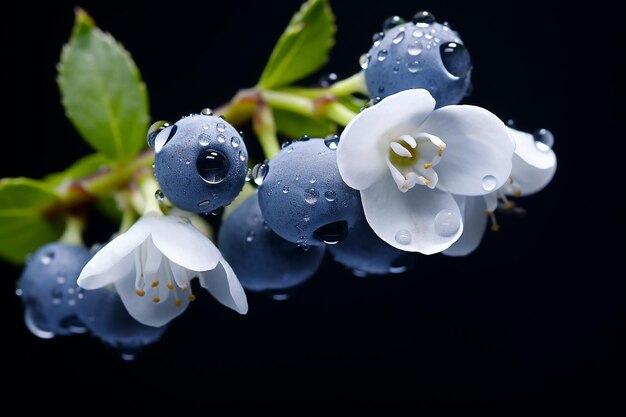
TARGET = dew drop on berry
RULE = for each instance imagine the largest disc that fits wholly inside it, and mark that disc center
(207, 112)
(331, 142)
(423, 18)
(155, 129)
(212, 166)
(413, 66)
(398, 37)
(382, 55)
(455, 58)
(221, 138)
(259, 172)
(392, 22)
(221, 127)
(234, 142)
(414, 49)
(47, 258)
(364, 61)
(332, 233)
(330, 195)
(311, 195)
(204, 139)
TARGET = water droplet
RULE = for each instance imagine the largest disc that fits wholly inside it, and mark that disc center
(57, 295)
(312, 180)
(71, 302)
(306, 218)
(289, 150)
(392, 21)
(234, 142)
(242, 156)
(327, 80)
(358, 273)
(304, 138)
(207, 112)
(221, 127)
(332, 141)
(377, 37)
(415, 49)
(381, 89)
(397, 269)
(510, 123)
(61, 279)
(399, 37)
(413, 66)
(250, 236)
(311, 195)
(33, 327)
(437, 40)
(221, 138)
(418, 33)
(19, 292)
(429, 37)
(285, 189)
(403, 237)
(206, 126)
(217, 211)
(280, 297)
(203, 203)
(447, 223)
(332, 233)
(489, 183)
(259, 172)
(154, 130)
(382, 55)
(330, 195)
(71, 290)
(423, 18)
(396, 69)
(544, 139)
(204, 139)
(248, 175)
(364, 61)
(159, 196)
(297, 177)
(455, 58)
(47, 258)
(285, 144)
(212, 166)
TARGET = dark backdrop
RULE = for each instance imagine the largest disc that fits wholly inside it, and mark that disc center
(532, 320)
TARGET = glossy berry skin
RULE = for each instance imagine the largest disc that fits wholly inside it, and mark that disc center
(49, 291)
(200, 162)
(105, 316)
(303, 198)
(262, 260)
(365, 253)
(419, 55)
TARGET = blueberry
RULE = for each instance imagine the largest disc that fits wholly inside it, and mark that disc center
(303, 198)
(105, 316)
(419, 54)
(49, 292)
(262, 260)
(365, 253)
(200, 162)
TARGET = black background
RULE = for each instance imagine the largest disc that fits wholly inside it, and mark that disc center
(533, 320)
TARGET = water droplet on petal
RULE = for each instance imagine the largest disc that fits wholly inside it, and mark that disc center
(403, 237)
(204, 139)
(447, 223)
(415, 49)
(311, 195)
(544, 139)
(489, 183)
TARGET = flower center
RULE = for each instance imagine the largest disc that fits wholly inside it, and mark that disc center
(411, 160)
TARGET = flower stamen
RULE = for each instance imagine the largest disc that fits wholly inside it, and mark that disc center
(494, 223)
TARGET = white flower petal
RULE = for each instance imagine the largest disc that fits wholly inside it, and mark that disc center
(474, 226)
(540, 157)
(115, 255)
(181, 276)
(407, 220)
(528, 179)
(143, 308)
(364, 143)
(478, 153)
(223, 284)
(183, 244)
(152, 259)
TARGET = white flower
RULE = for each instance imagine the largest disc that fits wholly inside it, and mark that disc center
(408, 160)
(151, 266)
(534, 165)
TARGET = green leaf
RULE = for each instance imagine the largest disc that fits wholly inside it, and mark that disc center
(25, 221)
(304, 46)
(83, 167)
(295, 125)
(102, 91)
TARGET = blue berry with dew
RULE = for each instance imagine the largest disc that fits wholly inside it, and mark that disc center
(200, 161)
(302, 196)
(364, 253)
(421, 53)
(105, 316)
(262, 260)
(48, 290)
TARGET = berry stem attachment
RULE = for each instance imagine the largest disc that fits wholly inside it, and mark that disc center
(265, 129)
(339, 113)
(73, 234)
(350, 85)
(288, 101)
(148, 186)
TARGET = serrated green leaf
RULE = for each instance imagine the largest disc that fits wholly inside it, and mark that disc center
(85, 166)
(24, 226)
(102, 91)
(303, 47)
(294, 125)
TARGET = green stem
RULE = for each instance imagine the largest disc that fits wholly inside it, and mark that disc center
(339, 113)
(288, 101)
(265, 129)
(128, 219)
(73, 234)
(148, 186)
(352, 84)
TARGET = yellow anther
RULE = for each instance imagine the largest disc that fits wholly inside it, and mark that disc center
(508, 204)
(426, 166)
(155, 284)
(178, 302)
(191, 297)
(170, 286)
(156, 299)
(440, 151)
(495, 227)
(140, 293)
(426, 181)
(184, 289)
(517, 193)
